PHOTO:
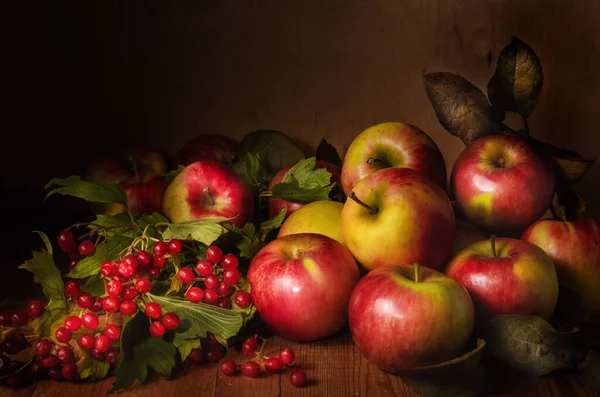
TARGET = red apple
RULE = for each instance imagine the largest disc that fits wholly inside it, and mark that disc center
(301, 285)
(207, 189)
(500, 184)
(138, 170)
(405, 316)
(396, 216)
(208, 147)
(392, 145)
(506, 276)
(574, 246)
(276, 204)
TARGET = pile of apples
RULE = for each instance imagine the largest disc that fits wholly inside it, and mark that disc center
(413, 262)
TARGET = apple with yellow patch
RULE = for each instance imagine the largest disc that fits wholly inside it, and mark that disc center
(506, 276)
(301, 285)
(321, 217)
(500, 184)
(392, 144)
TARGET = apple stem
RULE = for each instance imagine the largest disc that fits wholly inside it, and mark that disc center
(209, 196)
(493, 243)
(373, 160)
(352, 195)
(563, 213)
(416, 268)
(501, 162)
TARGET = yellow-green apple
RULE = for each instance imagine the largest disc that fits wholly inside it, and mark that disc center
(321, 217)
(392, 144)
(407, 316)
(207, 189)
(138, 170)
(500, 184)
(397, 215)
(276, 204)
(574, 246)
(301, 285)
(466, 234)
(506, 276)
(208, 147)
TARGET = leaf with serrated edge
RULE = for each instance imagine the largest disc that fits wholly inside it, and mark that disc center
(94, 285)
(107, 250)
(90, 368)
(205, 230)
(89, 191)
(302, 183)
(118, 224)
(532, 345)
(273, 223)
(185, 346)
(326, 152)
(461, 107)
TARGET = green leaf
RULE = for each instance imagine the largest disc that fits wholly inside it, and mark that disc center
(246, 240)
(530, 344)
(169, 176)
(139, 351)
(272, 224)
(275, 147)
(42, 325)
(465, 376)
(94, 285)
(89, 191)
(302, 183)
(185, 346)
(118, 224)
(255, 170)
(326, 152)
(517, 83)
(89, 368)
(591, 371)
(199, 318)
(107, 250)
(205, 230)
(461, 108)
(45, 240)
(155, 218)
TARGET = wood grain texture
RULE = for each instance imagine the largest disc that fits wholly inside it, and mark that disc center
(334, 368)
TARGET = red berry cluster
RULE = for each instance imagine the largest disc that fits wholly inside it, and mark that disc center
(21, 317)
(219, 275)
(271, 364)
(208, 350)
(66, 243)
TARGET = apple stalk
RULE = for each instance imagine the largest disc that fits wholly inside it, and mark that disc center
(416, 268)
(352, 196)
(493, 244)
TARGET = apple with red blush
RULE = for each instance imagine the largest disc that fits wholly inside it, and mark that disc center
(208, 147)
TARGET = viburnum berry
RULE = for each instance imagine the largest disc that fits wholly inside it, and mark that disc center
(153, 310)
(160, 249)
(112, 332)
(153, 273)
(298, 378)
(214, 353)
(98, 355)
(43, 347)
(174, 246)
(85, 300)
(250, 345)
(65, 241)
(140, 272)
(65, 354)
(224, 289)
(112, 355)
(20, 317)
(90, 321)
(14, 345)
(214, 254)
(196, 355)
(157, 329)
(228, 367)
(111, 304)
(69, 371)
(6, 319)
(107, 268)
(143, 257)
(194, 294)
(86, 247)
(55, 373)
(224, 303)
(71, 288)
(251, 369)
(131, 260)
(49, 361)
(231, 276)
(129, 292)
(86, 341)
(73, 264)
(204, 268)
(114, 288)
(37, 370)
(170, 321)
(242, 299)
(185, 275)
(102, 343)
(35, 308)
(73, 323)
(211, 282)
(229, 261)
(143, 285)
(287, 356)
(125, 269)
(97, 305)
(159, 262)
(210, 297)
(273, 365)
(128, 308)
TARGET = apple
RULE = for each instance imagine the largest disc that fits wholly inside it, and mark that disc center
(276, 204)
(138, 170)
(207, 189)
(396, 216)
(574, 247)
(208, 147)
(506, 276)
(301, 285)
(392, 144)
(408, 316)
(501, 185)
(466, 234)
(321, 217)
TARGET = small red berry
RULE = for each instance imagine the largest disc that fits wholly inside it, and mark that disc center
(170, 321)
(6, 319)
(228, 367)
(114, 288)
(287, 356)
(131, 260)
(242, 299)
(98, 355)
(153, 273)
(90, 321)
(85, 300)
(69, 371)
(160, 249)
(35, 308)
(194, 294)
(224, 289)
(129, 292)
(86, 247)
(185, 275)
(140, 272)
(65, 241)
(159, 262)
(214, 254)
(174, 246)
(229, 261)
(102, 343)
(73, 323)
(204, 268)
(143, 258)
(49, 361)
(43, 347)
(20, 317)
(298, 378)
(107, 268)
(211, 282)
(196, 356)
(55, 373)
(112, 355)
(86, 341)
(250, 345)
(273, 365)
(65, 354)
(231, 276)
(143, 285)
(157, 329)
(214, 353)
(97, 305)
(111, 304)
(73, 264)
(125, 269)
(251, 369)
(224, 303)
(112, 332)
(210, 297)
(128, 308)
(71, 288)
(153, 310)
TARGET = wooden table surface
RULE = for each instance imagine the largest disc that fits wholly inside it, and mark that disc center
(334, 368)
